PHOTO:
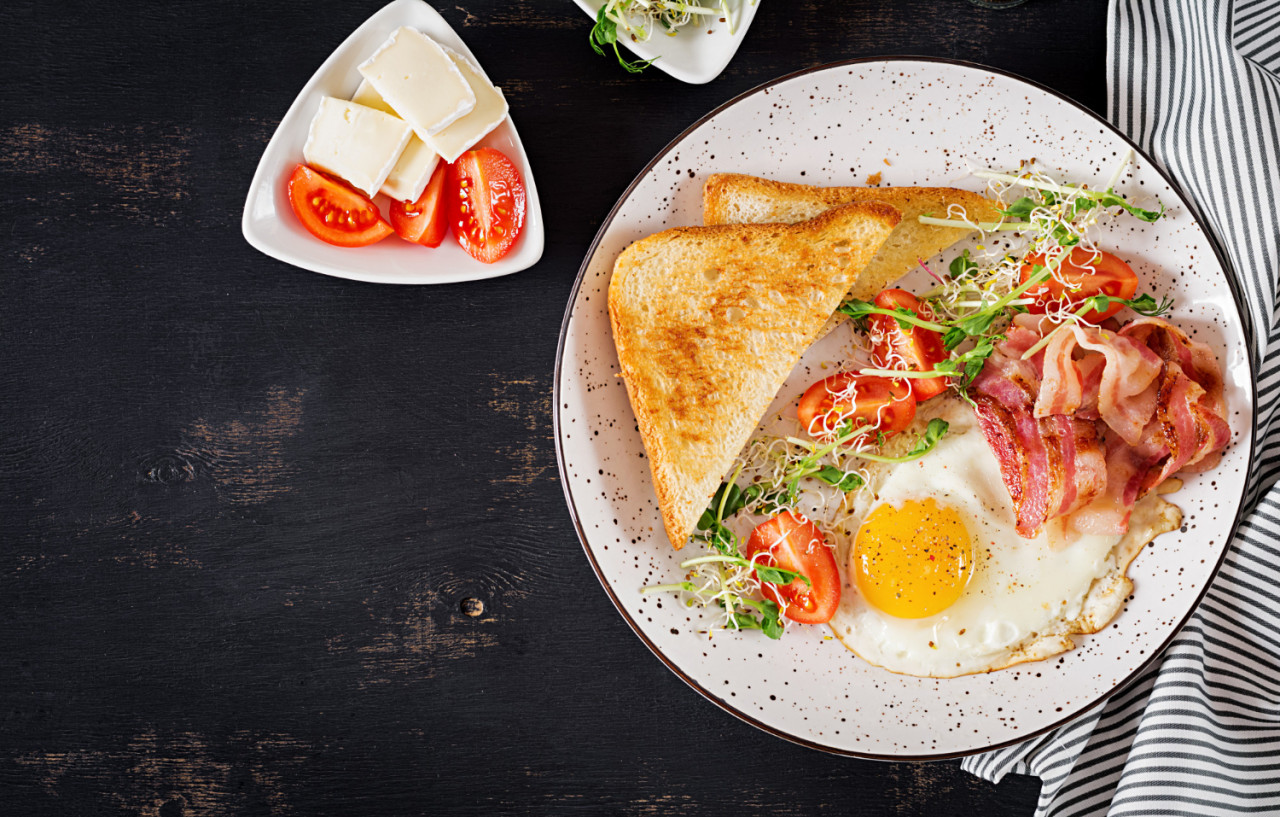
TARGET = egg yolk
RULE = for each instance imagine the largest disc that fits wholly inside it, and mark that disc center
(914, 560)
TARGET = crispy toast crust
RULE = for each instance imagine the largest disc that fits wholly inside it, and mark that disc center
(729, 198)
(709, 321)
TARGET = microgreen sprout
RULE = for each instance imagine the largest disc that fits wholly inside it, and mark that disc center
(605, 32)
(637, 20)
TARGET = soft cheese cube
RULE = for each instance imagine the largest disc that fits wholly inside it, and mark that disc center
(409, 177)
(355, 142)
(490, 110)
(419, 81)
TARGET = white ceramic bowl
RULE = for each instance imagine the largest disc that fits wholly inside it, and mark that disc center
(698, 53)
(271, 227)
(915, 122)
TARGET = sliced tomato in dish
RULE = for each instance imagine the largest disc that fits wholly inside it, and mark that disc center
(882, 403)
(424, 221)
(1083, 274)
(791, 542)
(486, 203)
(914, 350)
(333, 212)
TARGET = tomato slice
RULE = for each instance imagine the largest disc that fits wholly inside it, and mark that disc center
(333, 212)
(486, 203)
(423, 221)
(1086, 273)
(867, 400)
(791, 542)
(913, 350)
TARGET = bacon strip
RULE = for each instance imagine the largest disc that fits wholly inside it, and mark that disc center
(1126, 469)
(1197, 362)
(1172, 344)
(1051, 465)
(1125, 399)
(1024, 465)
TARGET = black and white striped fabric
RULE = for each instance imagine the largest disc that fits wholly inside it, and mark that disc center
(1196, 83)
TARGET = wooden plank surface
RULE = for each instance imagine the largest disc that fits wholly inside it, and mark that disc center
(275, 543)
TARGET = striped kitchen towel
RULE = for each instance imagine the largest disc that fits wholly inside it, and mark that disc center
(1196, 83)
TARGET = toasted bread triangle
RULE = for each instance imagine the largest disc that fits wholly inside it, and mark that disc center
(708, 323)
(732, 198)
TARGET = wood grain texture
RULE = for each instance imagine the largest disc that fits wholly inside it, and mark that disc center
(274, 543)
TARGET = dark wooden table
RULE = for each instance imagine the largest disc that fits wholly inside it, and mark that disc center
(277, 543)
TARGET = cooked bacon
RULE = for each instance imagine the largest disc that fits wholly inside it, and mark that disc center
(1125, 397)
(1172, 344)
(1197, 362)
(1126, 470)
(1192, 433)
(1156, 394)
(1091, 384)
(1050, 465)
(1084, 475)
(1014, 437)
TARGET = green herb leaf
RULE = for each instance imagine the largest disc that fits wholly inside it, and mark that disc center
(844, 481)
(962, 265)
(605, 32)
(903, 323)
(856, 308)
(953, 338)
(1144, 304)
(775, 500)
(727, 501)
(968, 365)
(861, 310)
(1023, 207)
(1112, 199)
(778, 576)
(719, 537)
(979, 323)
(935, 431)
(770, 620)
(746, 621)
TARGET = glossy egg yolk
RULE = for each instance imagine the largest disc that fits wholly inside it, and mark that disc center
(914, 560)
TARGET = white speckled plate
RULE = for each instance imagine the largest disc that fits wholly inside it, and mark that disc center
(916, 122)
(698, 53)
(271, 227)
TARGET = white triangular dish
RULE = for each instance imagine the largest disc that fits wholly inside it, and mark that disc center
(270, 226)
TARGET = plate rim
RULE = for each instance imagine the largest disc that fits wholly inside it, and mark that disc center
(1242, 314)
(534, 238)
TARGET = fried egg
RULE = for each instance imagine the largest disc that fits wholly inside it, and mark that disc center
(937, 582)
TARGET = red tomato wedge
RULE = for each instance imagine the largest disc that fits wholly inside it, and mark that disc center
(1086, 273)
(333, 212)
(486, 203)
(913, 350)
(878, 402)
(791, 542)
(423, 221)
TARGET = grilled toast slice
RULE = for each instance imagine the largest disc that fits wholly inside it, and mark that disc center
(732, 198)
(709, 321)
